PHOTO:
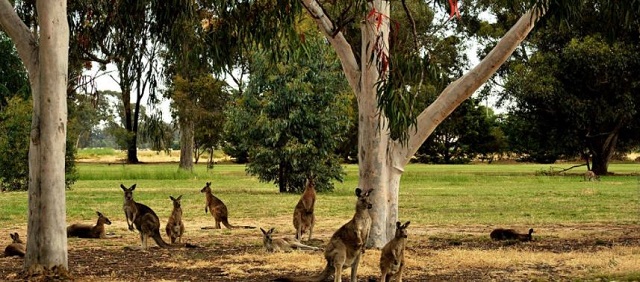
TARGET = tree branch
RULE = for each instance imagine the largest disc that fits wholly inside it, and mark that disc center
(465, 86)
(25, 42)
(338, 41)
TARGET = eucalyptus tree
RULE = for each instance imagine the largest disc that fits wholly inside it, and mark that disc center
(44, 52)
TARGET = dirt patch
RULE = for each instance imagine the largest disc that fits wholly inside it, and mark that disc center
(434, 253)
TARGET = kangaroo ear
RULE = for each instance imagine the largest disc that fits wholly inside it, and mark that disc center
(172, 198)
(98, 213)
(406, 224)
(263, 232)
(398, 223)
(358, 192)
(272, 229)
(12, 236)
(179, 197)
(123, 187)
(133, 187)
(208, 184)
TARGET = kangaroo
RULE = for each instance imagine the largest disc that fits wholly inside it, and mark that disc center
(144, 218)
(175, 227)
(218, 209)
(510, 234)
(16, 248)
(590, 176)
(303, 217)
(346, 245)
(88, 231)
(283, 244)
(392, 255)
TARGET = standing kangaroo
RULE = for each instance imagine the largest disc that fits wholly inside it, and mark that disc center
(346, 245)
(218, 209)
(16, 248)
(303, 216)
(89, 231)
(510, 234)
(392, 255)
(175, 227)
(143, 217)
(283, 244)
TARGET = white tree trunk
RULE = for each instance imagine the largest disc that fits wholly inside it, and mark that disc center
(46, 59)
(382, 160)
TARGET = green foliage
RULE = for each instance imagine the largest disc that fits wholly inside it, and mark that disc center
(577, 94)
(13, 76)
(291, 118)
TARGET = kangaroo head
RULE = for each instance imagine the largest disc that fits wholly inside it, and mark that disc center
(401, 229)
(103, 219)
(16, 238)
(176, 201)
(206, 188)
(530, 232)
(267, 234)
(128, 192)
(363, 199)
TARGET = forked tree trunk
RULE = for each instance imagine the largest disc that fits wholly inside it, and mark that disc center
(46, 61)
(382, 160)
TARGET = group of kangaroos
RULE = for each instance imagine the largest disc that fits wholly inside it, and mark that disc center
(343, 250)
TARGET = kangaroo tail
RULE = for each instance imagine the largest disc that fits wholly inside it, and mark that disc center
(326, 272)
(156, 237)
(226, 223)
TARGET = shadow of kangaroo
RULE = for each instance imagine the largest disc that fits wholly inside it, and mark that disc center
(89, 231)
(346, 245)
(175, 226)
(145, 220)
(16, 248)
(303, 217)
(284, 244)
(510, 234)
(392, 255)
(218, 210)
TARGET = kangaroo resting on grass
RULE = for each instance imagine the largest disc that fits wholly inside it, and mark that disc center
(283, 244)
(510, 234)
(16, 248)
(144, 219)
(89, 231)
(590, 176)
(218, 209)
(346, 245)
(392, 255)
(303, 216)
(175, 227)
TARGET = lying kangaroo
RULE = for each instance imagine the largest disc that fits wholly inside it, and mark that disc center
(175, 227)
(144, 219)
(346, 245)
(510, 234)
(392, 255)
(218, 209)
(89, 231)
(283, 244)
(16, 248)
(590, 176)
(303, 217)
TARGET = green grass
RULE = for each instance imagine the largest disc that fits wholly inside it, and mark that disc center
(429, 194)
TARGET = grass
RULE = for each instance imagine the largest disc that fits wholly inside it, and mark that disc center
(432, 197)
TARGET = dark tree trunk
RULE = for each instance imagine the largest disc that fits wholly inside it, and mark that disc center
(186, 144)
(603, 147)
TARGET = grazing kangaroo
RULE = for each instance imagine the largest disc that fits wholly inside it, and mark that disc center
(89, 231)
(303, 216)
(392, 255)
(144, 219)
(590, 176)
(175, 227)
(510, 234)
(346, 245)
(283, 244)
(218, 209)
(16, 248)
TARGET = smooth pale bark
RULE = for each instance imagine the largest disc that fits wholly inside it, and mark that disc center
(46, 59)
(382, 160)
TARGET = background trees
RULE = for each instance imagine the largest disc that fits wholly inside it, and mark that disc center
(292, 117)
